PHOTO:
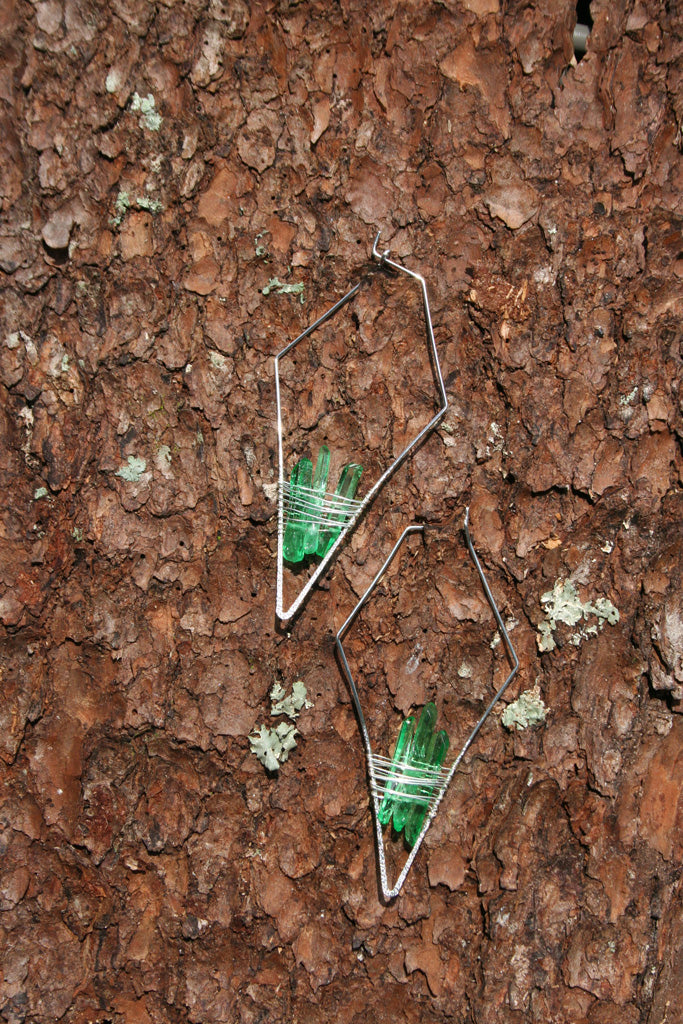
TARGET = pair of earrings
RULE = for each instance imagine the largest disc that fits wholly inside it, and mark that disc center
(313, 523)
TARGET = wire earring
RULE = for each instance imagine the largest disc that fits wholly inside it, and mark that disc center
(311, 520)
(409, 787)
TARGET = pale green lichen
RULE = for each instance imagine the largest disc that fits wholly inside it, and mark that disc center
(150, 118)
(604, 609)
(40, 492)
(121, 207)
(292, 705)
(113, 81)
(261, 251)
(630, 397)
(123, 204)
(275, 285)
(545, 637)
(273, 746)
(528, 710)
(217, 359)
(15, 339)
(563, 604)
(133, 469)
(152, 206)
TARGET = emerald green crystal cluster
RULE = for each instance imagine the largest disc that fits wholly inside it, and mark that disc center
(314, 518)
(418, 756)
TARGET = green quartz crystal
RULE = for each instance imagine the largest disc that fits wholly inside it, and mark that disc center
(436, 754)
(346, 489)
(417, 760)
(401, 756)
(313, 520)
(295, 528)
(419, 754)
(322, 469)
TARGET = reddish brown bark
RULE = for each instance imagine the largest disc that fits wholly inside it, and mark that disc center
(151, 870)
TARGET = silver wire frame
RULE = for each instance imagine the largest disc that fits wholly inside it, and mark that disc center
(284, 614)
(378, 764)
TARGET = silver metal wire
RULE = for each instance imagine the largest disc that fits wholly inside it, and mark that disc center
(304, 503)
(284, 614)
(416, 781)
(377, 766)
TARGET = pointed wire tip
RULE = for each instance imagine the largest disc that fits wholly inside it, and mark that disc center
(467, 517)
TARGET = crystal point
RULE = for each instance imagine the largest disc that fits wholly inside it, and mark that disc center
(436, 754)
(346, 490)
(416, 761)
(401, 755)
(295, 527)
(314, 519)
(413, 775)
(319, 487)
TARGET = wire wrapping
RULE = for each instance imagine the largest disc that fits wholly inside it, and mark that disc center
(305, 504)
(345, 527)
(416, 782)
(377, 764)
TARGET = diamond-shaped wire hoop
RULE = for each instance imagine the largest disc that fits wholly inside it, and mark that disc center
(373, 761)
(284, 614)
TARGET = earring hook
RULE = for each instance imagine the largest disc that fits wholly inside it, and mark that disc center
(381, 256)
(357, 510)
(379, 768)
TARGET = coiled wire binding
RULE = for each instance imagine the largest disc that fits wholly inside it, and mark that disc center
(305, 504)
(432, 782)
